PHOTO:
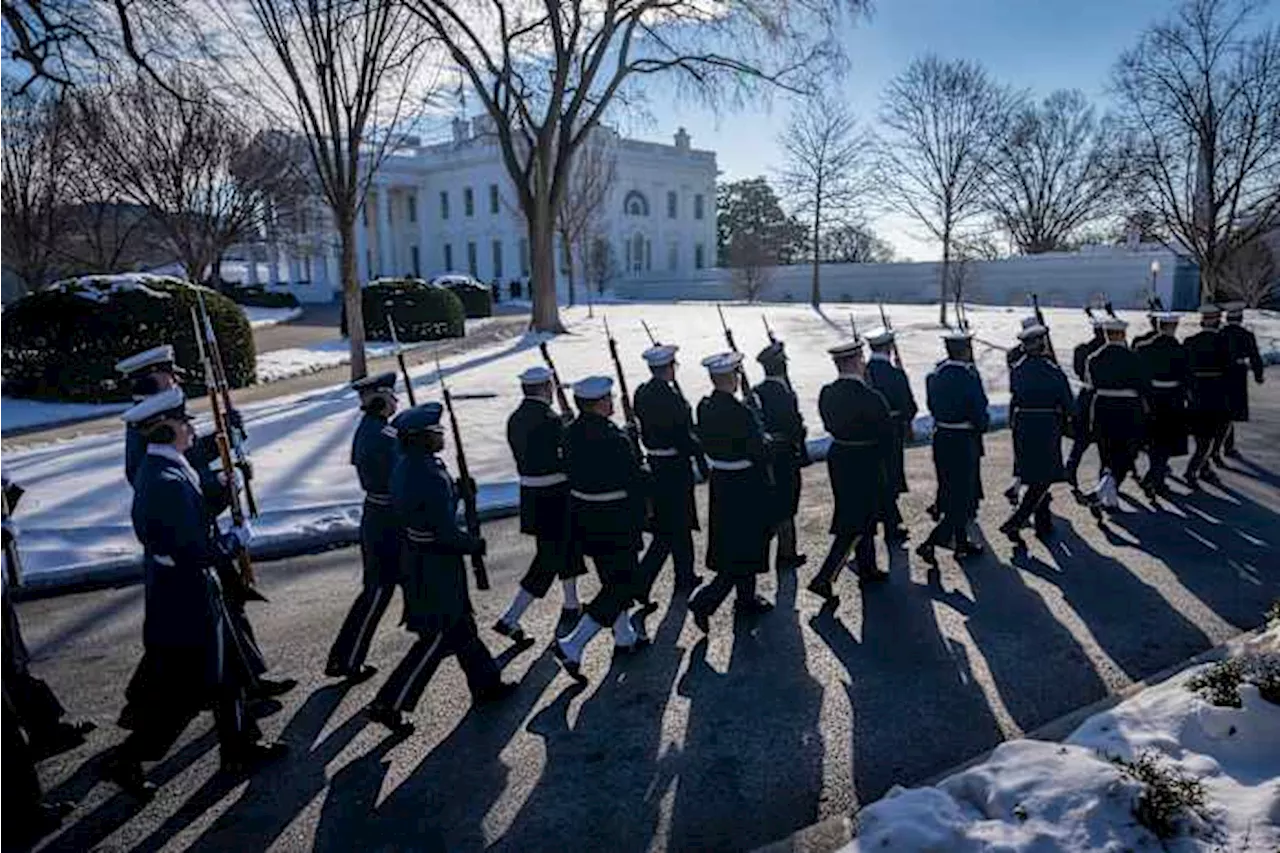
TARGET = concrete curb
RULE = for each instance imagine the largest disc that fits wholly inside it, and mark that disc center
(837, 831)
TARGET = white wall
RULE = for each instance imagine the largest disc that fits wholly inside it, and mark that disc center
(1061, 279)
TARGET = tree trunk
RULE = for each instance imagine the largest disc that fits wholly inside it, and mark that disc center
(568, 256)
(946, 274)
(351, 295)
(542, 263)
(815, 293)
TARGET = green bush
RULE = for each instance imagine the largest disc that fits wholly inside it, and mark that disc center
(421, 312)
(476, 301)
(257, 296)
(1169, 796)
(62, 343)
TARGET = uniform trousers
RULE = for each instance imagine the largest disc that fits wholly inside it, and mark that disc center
(159, 723)
(710, 597)
(786, 533)
(620, 583)
(407, 682)
(1206, 442)
(949, 529)
(1078, 446)
(1117, 456)
(352, 645)
(1035, 502)
(1226, 441)
(553, 558)
(679, 546)
(864, 551)
(22, 786)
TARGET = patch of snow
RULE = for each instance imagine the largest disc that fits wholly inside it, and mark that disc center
(1032, 795)
(262, 317)
(76, 511)
(98, 287)
(16, 414)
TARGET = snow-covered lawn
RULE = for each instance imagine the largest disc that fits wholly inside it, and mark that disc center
(1037, 796)
(260, 317)
(20, 414)
(76, 511)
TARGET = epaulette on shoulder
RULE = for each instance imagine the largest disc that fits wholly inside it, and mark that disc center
(390, 432)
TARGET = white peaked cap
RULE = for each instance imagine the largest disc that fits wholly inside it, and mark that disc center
(845, 348)
(660, 354)
(168, 400)
(1028, 322)
(957, 335)
(879, 336)
(156, 355)
(1112, 324)
(1166, 317)
(1034, 330)
(593, 388)
(722, 362)
(535, 375)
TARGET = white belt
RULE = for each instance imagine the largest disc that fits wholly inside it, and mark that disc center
(1165, 383)
(953, 425)
(542, 481)
(844, 442)
(729, 464)
(1116, 392)
(893, 413)
(1207, 374)
(663, 451)
(1086, 386)
(1242, 361)
(419, 536)
(599, 497)
(377, 499)
(1037, 411)
(163, 560)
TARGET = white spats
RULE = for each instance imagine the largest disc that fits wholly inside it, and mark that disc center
(624, 633)
(583, 633)
(521, 603)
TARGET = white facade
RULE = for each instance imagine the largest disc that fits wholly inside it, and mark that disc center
(450, 207)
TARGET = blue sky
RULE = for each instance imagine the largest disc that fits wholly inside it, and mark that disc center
(1041, 46)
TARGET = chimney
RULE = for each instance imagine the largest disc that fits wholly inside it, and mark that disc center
(460, 129)
(682, 140)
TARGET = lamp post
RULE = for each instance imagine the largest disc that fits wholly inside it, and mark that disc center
(1155, 273)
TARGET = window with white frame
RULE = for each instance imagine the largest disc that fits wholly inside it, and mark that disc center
(635, 204)
(444, 204)
(673, 204)
(697, 206)
(412, 200)
(448, 257)
(699, 257)
(471, 259)
(493, 198)
(497, 259)
(468, 202)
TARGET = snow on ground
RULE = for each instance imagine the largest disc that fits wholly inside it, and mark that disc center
(1037, 796)
(76, 512)
(18, 414)
(261, 317)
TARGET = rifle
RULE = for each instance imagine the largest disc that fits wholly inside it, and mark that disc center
(649, 332)
(853, 324)
(628, 413)
(748, 396)
(222, 439)
(404, 370)
(1035, 303)
(773, 339)
(466, 485)
(565, 409)
(12, 559)
(884, 320)
(1111, 312)
(236, 435)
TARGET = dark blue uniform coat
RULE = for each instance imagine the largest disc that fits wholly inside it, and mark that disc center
(1040, 405)
(535, 435)
(1243, 356)
(743, 511)
(374, 451)
(1164, 361)
(955, 396)
(666, 425)
(857, 417)
(600, 462)
(893, 384)
(785, 426)
(1208, 357)
(1080, 425)
(1115, 369)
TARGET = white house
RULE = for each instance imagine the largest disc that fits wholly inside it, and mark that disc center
(450, 207)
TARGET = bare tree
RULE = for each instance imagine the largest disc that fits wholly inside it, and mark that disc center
(1251, 274)
(591, 180)
(175, 150)
(751, 262)
(1055, 170)
(850, 243)
(1200, 100)
(37, 156)
(346, 74)
(546, 73)
(940, 121)
(824, 174)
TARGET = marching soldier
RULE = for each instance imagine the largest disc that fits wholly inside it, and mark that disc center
(958, 404)
(374, 451)
(1082, 429)
(1164, 362)
(194, 659)
(1040, 404)
(862, 441)
(1014, 357)
(1243, 348)
(891, 381)
(666, 427)
(785, 426)
(1208, 413)
(741, 516)
(1118, 410)
(1153, 316)
(437, 601)
(607, 509)
(535, 434)
(151, 372)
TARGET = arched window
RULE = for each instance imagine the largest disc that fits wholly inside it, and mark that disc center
(635, 204)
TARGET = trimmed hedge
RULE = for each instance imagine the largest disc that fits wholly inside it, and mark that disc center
(62, 343)
(422, 312)
(257, 296)
(476, 301)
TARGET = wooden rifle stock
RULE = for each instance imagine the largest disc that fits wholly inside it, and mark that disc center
(470, 511)
(884, 319)
(563, 399)
(628, 413)
(1048, 339)
(404, 369)
(234, 436)
(744, 384)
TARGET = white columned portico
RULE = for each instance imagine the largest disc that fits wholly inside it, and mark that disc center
(333, 269)
(424, 233)
(273, 264)
(386, 260)
(252, 272)
(295, 271)
(363, 272)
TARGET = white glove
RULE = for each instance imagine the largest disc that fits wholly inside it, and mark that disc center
(243, 534)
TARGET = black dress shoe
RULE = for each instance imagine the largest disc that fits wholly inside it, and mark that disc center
(1011, 495)
(268, 688)
(897, 535)
(1211, 476)
(253, 757)
(393, 720)
(755, 606)
(1011, 530)
(62, 737)
(702, 619)
(791, 562)
(1232, 454)
(688, 583)
(927, 553)
(514, 633)
(364, 673)
(933, 511)
(822, 589)
(572, 668)
(647, 609)
(128, 774)
(494, 693)
(964, 550)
